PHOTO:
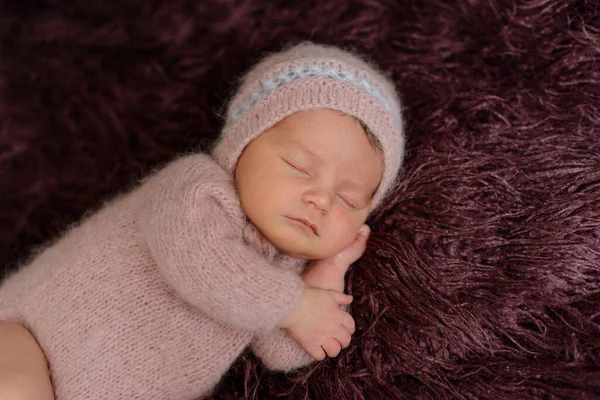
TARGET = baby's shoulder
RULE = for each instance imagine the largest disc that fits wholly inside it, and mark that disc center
(198, 163)
(209, 174)
(191, 168)
(197, 174)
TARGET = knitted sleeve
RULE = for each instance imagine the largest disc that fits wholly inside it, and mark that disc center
(279, 352)
(191, 226)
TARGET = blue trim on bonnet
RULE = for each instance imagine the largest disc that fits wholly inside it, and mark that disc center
(303, 72)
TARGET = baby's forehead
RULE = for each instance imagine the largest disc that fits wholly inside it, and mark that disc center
(322, 149)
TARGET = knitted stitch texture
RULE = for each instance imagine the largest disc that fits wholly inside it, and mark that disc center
(308, 77)
(156, 294)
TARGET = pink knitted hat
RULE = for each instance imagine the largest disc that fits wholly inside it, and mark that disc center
(307, 77)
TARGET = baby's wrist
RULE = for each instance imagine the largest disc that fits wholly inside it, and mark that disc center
(288, 320)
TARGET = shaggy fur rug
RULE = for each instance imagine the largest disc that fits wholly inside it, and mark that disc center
(482, 275)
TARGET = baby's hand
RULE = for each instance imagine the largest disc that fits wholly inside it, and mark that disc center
(318, 323)
(329, 273)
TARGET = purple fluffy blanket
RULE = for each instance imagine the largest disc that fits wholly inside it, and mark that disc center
(482, 276)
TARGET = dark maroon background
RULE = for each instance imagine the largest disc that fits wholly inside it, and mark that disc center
(482, 276)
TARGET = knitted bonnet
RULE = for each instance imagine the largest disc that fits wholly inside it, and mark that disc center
(307, 77)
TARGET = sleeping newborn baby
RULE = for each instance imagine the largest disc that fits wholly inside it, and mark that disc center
(159, 291)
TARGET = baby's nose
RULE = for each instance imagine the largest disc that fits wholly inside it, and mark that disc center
(320, 199)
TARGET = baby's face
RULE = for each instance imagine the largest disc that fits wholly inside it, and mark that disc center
(307, 182)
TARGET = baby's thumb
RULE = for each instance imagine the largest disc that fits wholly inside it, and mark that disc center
(341, 298)
(364, 232)
(356, 249)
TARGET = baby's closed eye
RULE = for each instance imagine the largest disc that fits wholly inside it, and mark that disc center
(354, 202)
(348, 202)
(297, 166)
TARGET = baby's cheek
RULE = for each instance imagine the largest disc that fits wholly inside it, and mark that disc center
(343, 234)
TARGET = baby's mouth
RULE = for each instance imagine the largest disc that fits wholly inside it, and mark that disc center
(306, 223)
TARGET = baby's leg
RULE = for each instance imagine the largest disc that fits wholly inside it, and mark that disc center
(23, 368)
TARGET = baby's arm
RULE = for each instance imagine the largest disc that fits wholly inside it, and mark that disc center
(189, 225)
(279, 352)
(276, 349)
(23, 368)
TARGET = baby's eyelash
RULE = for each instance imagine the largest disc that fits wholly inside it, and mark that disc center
(348, 202)
(296, 166)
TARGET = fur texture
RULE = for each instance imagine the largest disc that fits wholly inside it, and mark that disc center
(482, 276)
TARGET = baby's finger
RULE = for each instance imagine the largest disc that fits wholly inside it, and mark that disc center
(341, 298)
(353, 251)
(348, 323)
(343, 337)
(317, 353)
(332, 348)
(364, 232)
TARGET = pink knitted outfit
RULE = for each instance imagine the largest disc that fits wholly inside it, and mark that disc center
(157, 293)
